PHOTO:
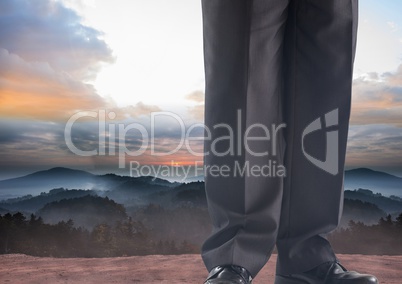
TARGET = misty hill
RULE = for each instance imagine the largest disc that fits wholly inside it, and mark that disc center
(31, 204)
(389, 204)
(141, 194)
(359, 211)
(86, 211)
(177, 213)
(44, 181)
(3, 211)
(381, 182)
(133, 193)
(191, 194)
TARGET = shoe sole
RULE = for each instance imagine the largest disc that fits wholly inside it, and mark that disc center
(219, 281)
(288, 280)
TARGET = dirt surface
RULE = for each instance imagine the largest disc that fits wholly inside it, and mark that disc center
(18, 268)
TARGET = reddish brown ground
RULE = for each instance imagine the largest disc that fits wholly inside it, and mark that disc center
(18, 268)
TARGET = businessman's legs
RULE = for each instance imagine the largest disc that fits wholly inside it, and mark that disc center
(243, 45)
(320, 46)
(246, 45)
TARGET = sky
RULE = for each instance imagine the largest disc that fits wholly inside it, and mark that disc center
(115, 62)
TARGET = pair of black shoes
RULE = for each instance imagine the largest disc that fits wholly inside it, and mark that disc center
(326, 273)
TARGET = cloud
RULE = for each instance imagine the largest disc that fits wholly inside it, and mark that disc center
(375, 136)
(31, 144)
(36, 90)
(377, 99)
(196, 96)
(140, 109)
(46, 55)
(46, 58)
(395, 78)
(197, 111)
(375, 145)
(393, 26)
(47, 31)
(42, 144)
(378, 45)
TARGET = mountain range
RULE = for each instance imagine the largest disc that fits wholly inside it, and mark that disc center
(44, 181)
(170, 210)
(377, 181)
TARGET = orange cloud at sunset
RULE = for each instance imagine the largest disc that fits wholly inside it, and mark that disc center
(196, 111)
(36, 90)
(46, 56)
(377, 99)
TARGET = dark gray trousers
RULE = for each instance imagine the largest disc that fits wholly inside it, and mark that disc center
(278, 92)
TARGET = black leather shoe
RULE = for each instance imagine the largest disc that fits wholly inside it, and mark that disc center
(327, 273)
(229, 274)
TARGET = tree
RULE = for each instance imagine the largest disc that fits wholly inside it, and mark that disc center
(386, 222)
(398, 222)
